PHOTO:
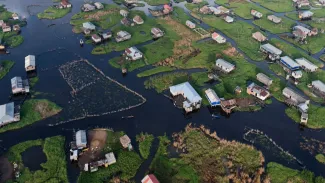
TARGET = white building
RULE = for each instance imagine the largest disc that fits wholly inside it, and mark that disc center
(156, 32)
(6, 28)
(256, 14)
(1, 22)
(8, 114)
(224, 65)
(89, 26)
(19, 86)
(15, 16)
(217, 37)
(296, 74)
(122, 36)
(133, 53)
(190, 24)
(192, 98)
(212, 97)
(88, 7)
(264, 79)
(274, 19)
(289, 63)
(297, 99)
(303, 29)
(228, 19)
(124, 13)
(319, 86)
(81, 139)
(30, 63)
(96, 38)
(99, 5)
(110, 158)
(138, 20)
(273, 52)
(306, 65)
(258, 91)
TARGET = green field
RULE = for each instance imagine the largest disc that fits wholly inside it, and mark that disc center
(129, 65)
(156, 2)
(6, 66)
(15, 41)
(144, 140)
(283, 27)
(281, 174)
(315, 114)
(277, 69)
(241, 32)
(320, 158)
(164, 81)
(33, 110)
(314, 43)
(53, 13)
(110, 18)
(155, 70)
(53, 170)
(277, 5)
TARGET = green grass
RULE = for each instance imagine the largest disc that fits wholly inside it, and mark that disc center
(4, 14)
(322, 57)
(7, 65)
(14, 41)
(276, 89)
(200, 78)
(277, 69)
(158, 50)
(53, 170)
(283, 27)
(33, 110)
(139, 33)
(320, 158)
(53, 13)
(163, 82)
(316, 118)
(129, 65)
(33, 81)
(293, 52)
(243, 9)
(155, 70)
(106, 21)
(277, 5)
(280, 174)
(239, 31)
(171, 170)
(314, 43)
(156, 2)
(144, 140)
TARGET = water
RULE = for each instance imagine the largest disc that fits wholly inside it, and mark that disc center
(157, 116)
(33, 158)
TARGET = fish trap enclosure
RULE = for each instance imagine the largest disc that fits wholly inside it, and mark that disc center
(93, 93)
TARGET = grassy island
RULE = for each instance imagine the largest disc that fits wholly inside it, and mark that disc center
(278, 173)
(320, 158)
(53, 170)
(277, 6)
(53, 13)
(218, 154)
(145, 141)
(315, 114)
(33, 110)
(5, 67)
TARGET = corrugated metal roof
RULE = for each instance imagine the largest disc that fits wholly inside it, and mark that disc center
(303, 29)
(81, 138)
(225, 64)
(319, 85)
(212, 97)
(272, 49)
(7, 113)
(289, 62)
(16, 82)
(288, 92)
(187, 90)
(30, 61)
(306, 63)
(264, 79)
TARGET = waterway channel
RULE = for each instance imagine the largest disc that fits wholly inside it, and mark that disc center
(57, 45)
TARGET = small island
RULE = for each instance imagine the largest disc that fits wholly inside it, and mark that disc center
(56, 11)
(5, 67)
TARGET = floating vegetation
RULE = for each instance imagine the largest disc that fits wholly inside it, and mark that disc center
(313, 146)
(261, 140)
(93, 93)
